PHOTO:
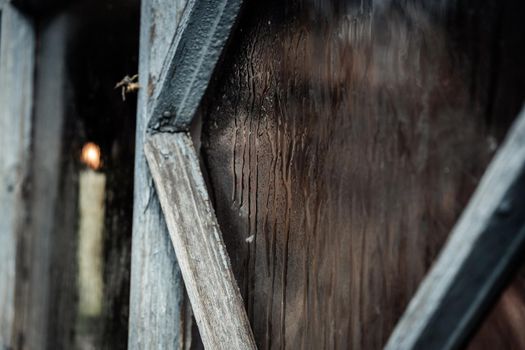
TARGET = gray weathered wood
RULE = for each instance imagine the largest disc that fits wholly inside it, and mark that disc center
(484, 247)
(159, 314)
(39, 234)
(191, 60)
(16, 90)
(195, 233)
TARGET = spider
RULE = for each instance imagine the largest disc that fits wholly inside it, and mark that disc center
(128, 84)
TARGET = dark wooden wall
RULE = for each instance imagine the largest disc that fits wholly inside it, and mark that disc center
(342, 141)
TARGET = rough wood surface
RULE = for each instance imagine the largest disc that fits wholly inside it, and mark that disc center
(479, 251)
(16, 77)
(341, 150)
(158, 312)
(197, 239)
(192, 57)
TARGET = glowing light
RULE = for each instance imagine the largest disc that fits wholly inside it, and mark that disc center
(91, 156)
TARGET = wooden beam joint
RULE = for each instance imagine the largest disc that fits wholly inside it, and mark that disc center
(190, 62)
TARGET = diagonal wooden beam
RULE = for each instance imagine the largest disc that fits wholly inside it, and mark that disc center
(159, 312)
(196, 237)
(191, 60)
(204, 264)
(485, 247)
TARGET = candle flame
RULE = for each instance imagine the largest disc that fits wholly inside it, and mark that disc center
(91, 156)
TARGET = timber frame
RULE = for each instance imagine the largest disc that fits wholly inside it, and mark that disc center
(470, 273)
(455, 297)
(177, 60)
(173, 163)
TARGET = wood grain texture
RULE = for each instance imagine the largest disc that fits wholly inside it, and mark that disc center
(16, 90)
(198, 242)
(158, 311)
(341, 149)
(455, 264)
(192, 57)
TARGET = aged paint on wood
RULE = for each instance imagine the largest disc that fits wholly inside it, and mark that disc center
(190, 61)
(197, 239)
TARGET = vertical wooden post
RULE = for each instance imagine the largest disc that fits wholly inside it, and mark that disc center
(158, 308)
(16, 94)
(35, 297)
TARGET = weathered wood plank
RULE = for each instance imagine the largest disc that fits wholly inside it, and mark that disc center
(158, 313)
(484, 248)
(196, 237)
(191, 60)
(39, 234)
(16, 90)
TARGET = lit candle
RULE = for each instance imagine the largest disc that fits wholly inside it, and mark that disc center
(90, 241)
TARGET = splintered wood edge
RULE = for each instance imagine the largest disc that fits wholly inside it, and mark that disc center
(501, 174)
(198, 243)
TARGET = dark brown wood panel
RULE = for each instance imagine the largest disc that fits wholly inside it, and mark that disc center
(342, 141)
